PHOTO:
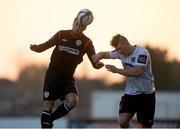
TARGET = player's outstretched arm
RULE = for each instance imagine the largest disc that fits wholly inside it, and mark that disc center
(41, 47)
(128, 73)
(97, 64)
(34, 47)
(101, 55)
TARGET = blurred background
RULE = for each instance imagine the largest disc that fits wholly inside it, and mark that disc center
(154, 24)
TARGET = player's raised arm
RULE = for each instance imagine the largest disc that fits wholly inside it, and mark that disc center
(100, 55)
(48, 44)
(41, 47)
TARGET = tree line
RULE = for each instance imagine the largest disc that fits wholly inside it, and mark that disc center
(23, 97)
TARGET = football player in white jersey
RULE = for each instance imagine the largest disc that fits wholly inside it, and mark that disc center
(139, 94)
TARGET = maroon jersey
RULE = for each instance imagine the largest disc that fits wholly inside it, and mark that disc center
(69, 51)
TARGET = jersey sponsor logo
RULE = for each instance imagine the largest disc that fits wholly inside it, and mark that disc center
(69, 50)
(78, 42)
(46, 94)
(142, 59)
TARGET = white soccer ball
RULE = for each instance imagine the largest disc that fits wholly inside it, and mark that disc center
(85, 17)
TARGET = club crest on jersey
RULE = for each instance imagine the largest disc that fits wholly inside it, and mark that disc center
(78, 42)
(133, 59)
(46, 94)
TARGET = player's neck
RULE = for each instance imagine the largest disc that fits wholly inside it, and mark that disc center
(76, 35)
(131, 49)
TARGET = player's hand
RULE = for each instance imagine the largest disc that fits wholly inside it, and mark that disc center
(96, 57)
(111, 68)
(34, 47)
(99, 64)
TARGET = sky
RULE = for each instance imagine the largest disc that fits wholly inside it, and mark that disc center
(25, 22)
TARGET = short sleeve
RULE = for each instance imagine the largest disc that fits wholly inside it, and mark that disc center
(142, 58)
(54, 39)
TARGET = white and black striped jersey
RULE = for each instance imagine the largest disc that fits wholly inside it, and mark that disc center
(144, 83)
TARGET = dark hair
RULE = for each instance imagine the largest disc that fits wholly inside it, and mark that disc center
(118, 39)
(75, 19)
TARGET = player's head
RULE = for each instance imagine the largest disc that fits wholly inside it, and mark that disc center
(77, 27)
(82, 20)
(85, 17)
(121, 44)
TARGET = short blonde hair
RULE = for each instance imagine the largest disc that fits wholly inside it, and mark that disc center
(118, 39)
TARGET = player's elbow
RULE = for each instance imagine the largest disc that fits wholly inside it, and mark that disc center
(134, 73)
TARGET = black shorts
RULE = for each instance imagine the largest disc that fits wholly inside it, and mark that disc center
(142, 104)
(57, 87)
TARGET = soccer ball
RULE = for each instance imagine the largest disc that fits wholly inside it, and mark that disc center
(85, 17)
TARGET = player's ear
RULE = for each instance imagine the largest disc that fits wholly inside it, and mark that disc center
(84, 27)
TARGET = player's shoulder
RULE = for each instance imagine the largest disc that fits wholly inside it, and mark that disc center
(141, 50)
(63, 31)
(87, 39)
